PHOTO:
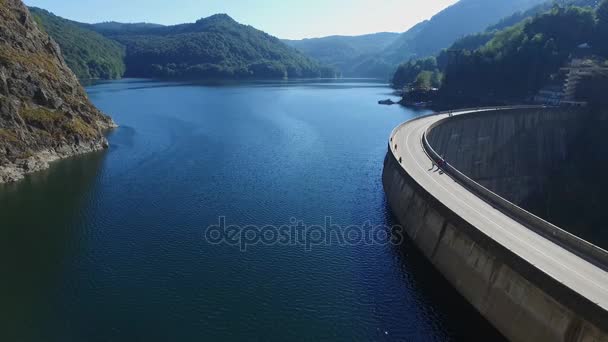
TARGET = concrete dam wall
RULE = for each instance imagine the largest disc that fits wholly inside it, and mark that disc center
(510, 152)
(521, 299)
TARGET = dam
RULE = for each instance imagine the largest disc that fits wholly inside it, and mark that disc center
(533, 280)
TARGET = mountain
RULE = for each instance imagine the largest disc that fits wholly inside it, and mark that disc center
(44, 112)
(88, 54)
(425, 39)
(344, 52)
(113, 27)
(474, 41)
(408, 72)
(463, 18)
(524, 57)
(213, 47)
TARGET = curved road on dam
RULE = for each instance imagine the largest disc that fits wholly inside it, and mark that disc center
(557, 262)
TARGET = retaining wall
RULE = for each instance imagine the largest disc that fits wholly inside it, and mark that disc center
(521, 301)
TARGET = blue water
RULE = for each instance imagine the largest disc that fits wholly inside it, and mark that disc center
(112, 246)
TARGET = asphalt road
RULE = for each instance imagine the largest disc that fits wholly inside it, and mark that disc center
(557, 262)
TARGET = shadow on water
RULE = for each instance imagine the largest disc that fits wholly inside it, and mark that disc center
(38, 217)
(439, 295)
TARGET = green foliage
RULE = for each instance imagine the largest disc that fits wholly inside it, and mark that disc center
(113, 28)
(87, 53)
(5, 134)
(474, 41)
(40, 115)
(418, 72)
(424, 39)
(463, 18)
(215, 47)
(519, 60)
(348, 55)
(55, 123)
(423, 80)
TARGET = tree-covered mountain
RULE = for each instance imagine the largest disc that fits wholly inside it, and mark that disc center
(473, 41)
(517, 61)
(113, 27)
(423, 40)
(87, 53)
(344, 53)
(523, 57)
(407, 72)
(213, 47)
(463, 18)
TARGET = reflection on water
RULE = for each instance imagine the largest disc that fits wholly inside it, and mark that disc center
(110, 247)
(39, 235)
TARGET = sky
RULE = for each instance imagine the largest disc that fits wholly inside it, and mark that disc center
(289, 19)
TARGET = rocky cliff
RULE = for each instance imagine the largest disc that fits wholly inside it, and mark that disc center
(44, 111)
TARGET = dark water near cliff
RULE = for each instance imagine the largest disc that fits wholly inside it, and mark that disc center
(111, 246)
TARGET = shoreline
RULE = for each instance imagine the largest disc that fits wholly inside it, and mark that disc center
(41, 160)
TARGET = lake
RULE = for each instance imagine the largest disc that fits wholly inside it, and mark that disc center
(186, 229)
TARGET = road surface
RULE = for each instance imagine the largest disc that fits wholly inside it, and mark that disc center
(555, 261)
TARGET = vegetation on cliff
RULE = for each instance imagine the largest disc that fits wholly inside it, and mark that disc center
(44, 111)
(523, 57)
(87, 53)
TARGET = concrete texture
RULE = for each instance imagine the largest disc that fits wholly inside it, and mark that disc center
(510, 151)
(530, 288)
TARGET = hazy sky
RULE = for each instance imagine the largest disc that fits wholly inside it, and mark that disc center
(282, 18)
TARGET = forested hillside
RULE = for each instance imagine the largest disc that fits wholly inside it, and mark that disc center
(515, 62)
(87, 53)
(113, 27)
(464, 17)
(213, 47)
(423, 40)
(408, 72)
(344, 53)
(519, 60)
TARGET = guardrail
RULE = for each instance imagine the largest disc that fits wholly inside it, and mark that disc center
(574, 244)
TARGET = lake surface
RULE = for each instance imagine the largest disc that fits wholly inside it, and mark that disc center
(115, 245)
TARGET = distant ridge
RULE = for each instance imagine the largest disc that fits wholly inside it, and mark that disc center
(216, 47)
(342, 52)
(212, 47)
(427, 38)
(44, 112)
(111, 27)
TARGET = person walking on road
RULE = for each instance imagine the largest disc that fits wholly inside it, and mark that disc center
(440, 164)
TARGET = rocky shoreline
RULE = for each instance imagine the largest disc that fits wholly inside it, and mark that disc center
(17, 170)
(45, 113)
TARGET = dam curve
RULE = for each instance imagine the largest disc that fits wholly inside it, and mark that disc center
(530, 279)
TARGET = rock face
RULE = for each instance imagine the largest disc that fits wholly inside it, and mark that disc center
(44, 111)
